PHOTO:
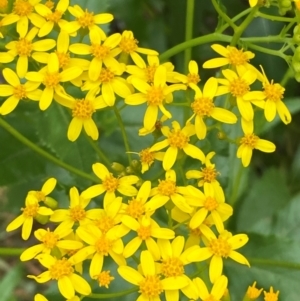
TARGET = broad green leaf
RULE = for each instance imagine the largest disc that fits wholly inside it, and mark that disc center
(9, 282)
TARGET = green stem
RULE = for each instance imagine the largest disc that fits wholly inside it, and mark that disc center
(11, 251)
(236, 182)
(274, 263)
(189, 31)
(44, 153)
(267, 50)
(275, 18)
(288, 74)
(110, 296)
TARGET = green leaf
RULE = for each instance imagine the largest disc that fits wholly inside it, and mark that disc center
(9, 282)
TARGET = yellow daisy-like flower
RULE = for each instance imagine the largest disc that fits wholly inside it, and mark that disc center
(271, 296)
(156, 129)
(110, 184)
(149, 283)
(39, 297)
(62, 271)
(50, 240)
(192, 77)
(253, 3)
(217, 291)
(203, 107)
(47, 188)
(154, 95)
(16, 91)
(218, 248)
(145, 228)
(177, 139)
(253, 292)
(104, 278)
(51, 79)
(148, 157)
(128, 45)
(32, 210)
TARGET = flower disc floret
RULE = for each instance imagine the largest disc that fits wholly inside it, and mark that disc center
(211, 203)
(249, 140)
(50, 239)
(239, 87)
(203, 106)
(172, 267)
(135, 208)
(103, 245)
(77, 213)
(61, 268)
(111, 183)
(86, 20)
(167, 187)
(155, 96)
(178, 139)
(220, 247)
(24, 47)
(83, 109)
(151, 286)
(22, 8)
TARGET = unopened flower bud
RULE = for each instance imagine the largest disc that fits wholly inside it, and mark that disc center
(117, 167)
(51, 203)
(42, 219)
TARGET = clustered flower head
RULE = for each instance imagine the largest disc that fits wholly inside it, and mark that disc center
(117, 221)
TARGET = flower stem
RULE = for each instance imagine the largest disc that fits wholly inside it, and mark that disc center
(110, 296)
(11, 251)
(189, 31)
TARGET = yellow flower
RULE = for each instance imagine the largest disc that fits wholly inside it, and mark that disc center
(31, 210)
(177, 139)
(16, 91)
(271, 296)
(203, 107)
(149, 283)
(39, 297)
(62, 271)
(51, 79)
(253, 3)
(297, 4)
(147, 158)
(47, 188)
(253, 292)
(104, 278)
(110, 184)
(154, 95)
(220, 247)
(192, 77)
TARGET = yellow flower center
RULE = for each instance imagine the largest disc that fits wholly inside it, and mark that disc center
(51, 80)
(167, 187)
(49, 4)
(63, 58)
(144, 232)
(77, 213)
(178, 139)
(271, 296)
(146, 156)
(104, 278)
(210, 298)
(195, 232)
(106, 75)
(22, 8)
(203, 106)
(193, 78)
(40, 195)
(273, 92)
(253, 292)
(155, 96)
(220, 247)
(54, 17)
(3, 4)
(209, 174)
(60, 269)
(151, 287)
(128, 45)
(20, 92)
(249, 140)
(83, 109)
(150, 70)
(238, 87)
(103, 245)
(24, 47)
(50, 239)
(30, 210)
(100, 51)
(172, 267)
(211, 204)
(105, 223)
(111, 183)
(87, 19)
(135, 208)
(237, 57)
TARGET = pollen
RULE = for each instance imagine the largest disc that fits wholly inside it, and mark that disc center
(193, 78)
(83, 109)
(87, 19)
(111, 183)
(203, 106)
(105, 223)
(30, 210)
(50, 239)
(249, 140)
(178, 139)
(51, 80)
(211, 204)
(20, 92)
(155, 96)
(24, 47)
(106, 76)
(103, 245)
(63, 59)
(151, 287)
(77, 213)
(100, 51)
(104, 278)
(150, 70)
(238, 87)
(128, 45)
(167, 187)
(237, 57)
(135, 208)
(54, 17)
(209, 174)
(60, 269)
(273, 92)
(146, 156)
(220, 247)
(22, 8)
(144, 232)
(172, 267)
(49, 4)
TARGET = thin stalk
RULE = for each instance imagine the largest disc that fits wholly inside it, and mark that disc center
(189, 31)
(11, 251)
(113, 295)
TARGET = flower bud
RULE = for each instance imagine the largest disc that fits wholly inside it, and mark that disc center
(117, 167)
(51, 203)
(42, 219)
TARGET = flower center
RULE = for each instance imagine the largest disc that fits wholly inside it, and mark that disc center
(249, 140)
(54, 17)
(144, 232)
(150, 70)
(146, 156)
(178, 139)
(237, 57)
(111, 183)
(220, 247)
(106, 75)
(238, 87)
(20, 92)
(87, 19)
(77, 213)
(103, 245)
(63, 58)
(195, 232)
(203, 106)
(210, 298)
(50, 239)
(155, 96)
(104, 278)
(166, 187)
(30, 210)
(128, 45)
(83, 109)
(60, 269)
(40, 195)
(209, 174)
(270, 296)
(172, 267)
(211, 204)
(105, 223)
(3, 4)
(193, 78)
(100, 51)
(49, 4)
(24, 47)
(22, 8)
(151, 286)
(253, 292)
(273, 92)
(135, 208)
(51, 80)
